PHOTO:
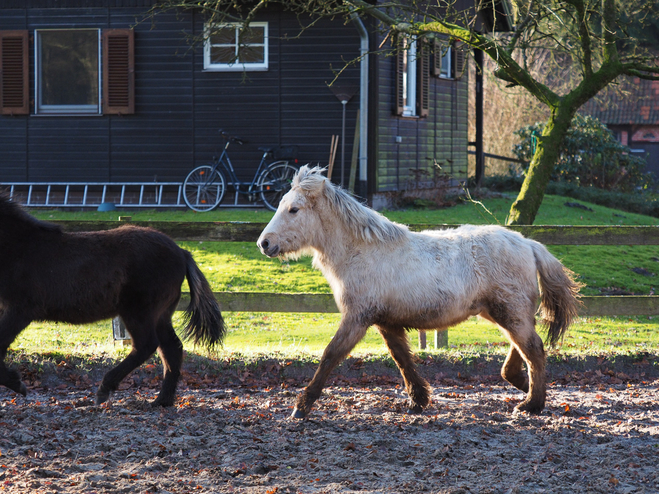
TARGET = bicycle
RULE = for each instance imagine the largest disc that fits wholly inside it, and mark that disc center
(205, 185)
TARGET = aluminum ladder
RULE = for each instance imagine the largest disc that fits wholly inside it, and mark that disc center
(93, 194)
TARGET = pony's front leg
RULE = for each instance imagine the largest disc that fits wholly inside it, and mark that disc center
(349, 334)
(145, 344)
(417, 387)
(11, 324)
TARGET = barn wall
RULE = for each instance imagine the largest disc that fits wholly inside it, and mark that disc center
(440, 137)
(178, 106)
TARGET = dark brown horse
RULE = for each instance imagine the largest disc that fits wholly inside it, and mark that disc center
(132, 272)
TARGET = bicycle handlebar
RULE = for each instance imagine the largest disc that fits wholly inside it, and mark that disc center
(230, 138)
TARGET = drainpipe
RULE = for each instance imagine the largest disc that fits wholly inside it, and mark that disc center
(363, 104)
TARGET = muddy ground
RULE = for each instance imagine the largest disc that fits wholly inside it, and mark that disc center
(230, 432)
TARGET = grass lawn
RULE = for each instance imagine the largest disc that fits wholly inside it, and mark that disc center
(239, 266)
(552, 212)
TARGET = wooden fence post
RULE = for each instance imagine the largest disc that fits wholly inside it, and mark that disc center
(422, 340)
(441, 339)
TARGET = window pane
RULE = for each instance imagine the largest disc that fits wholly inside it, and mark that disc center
(224, 36)
(446, 64)
(223, 54)
(253, 35)
(252, 54)
(68, 68)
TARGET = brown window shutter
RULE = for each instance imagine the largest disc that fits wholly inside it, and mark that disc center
(423, 79)
(118, 71)
(459, 60)
(436, 58)
(400, 72)
(14, 73)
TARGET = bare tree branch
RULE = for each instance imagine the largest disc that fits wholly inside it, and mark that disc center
(584, 36)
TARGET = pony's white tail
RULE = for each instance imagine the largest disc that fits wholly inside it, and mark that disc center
(558, 293)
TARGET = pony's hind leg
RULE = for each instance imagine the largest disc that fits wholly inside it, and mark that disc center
(145, 343)
(171, 354)
(417, 388)
(532, 351)
(527, 347)
(11, 324)
(513, 372)
(348, 335)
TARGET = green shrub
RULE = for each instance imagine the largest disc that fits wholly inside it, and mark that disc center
(590, 156)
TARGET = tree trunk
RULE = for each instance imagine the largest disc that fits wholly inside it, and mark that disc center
(525, 208)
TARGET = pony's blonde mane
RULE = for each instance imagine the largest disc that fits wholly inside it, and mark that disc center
(365, 223)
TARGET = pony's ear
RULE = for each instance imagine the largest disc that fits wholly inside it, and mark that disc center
(317, 188)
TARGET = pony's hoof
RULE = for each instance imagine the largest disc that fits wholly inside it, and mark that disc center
(529, 408)
(298, 414)
(23, 390)
(102, 397)
(161, 403)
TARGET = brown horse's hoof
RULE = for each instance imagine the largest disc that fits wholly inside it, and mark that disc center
(161, 403)
(17, 386)
(102, 396)
(298, 414)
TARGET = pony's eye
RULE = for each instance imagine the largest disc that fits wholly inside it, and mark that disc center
(293, 210)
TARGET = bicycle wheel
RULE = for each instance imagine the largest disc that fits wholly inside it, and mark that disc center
(274, 182)
(203, 188)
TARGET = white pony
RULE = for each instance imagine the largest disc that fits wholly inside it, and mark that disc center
(384, 275)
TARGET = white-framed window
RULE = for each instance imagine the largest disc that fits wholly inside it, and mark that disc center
(68, 71)
(234, 47)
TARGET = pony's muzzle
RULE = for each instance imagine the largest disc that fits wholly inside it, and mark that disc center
(267, 248)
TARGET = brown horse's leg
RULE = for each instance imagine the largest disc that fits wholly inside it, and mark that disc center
(349, 334)
(417, 387)
(171, 354)
(513, 372)
(11, 324)
(145, 344)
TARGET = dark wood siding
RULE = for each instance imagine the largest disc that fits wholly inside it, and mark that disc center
(439, 137)
(155, 143)
(290, 103)
(179, 107)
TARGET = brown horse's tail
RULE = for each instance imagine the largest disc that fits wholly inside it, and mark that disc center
(204, 322)
(558, 294)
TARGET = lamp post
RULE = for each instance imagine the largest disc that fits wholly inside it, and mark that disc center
(344, 94)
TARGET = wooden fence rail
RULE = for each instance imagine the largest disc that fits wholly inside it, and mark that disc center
(313, 302)
(615, 305)
(235, 231)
